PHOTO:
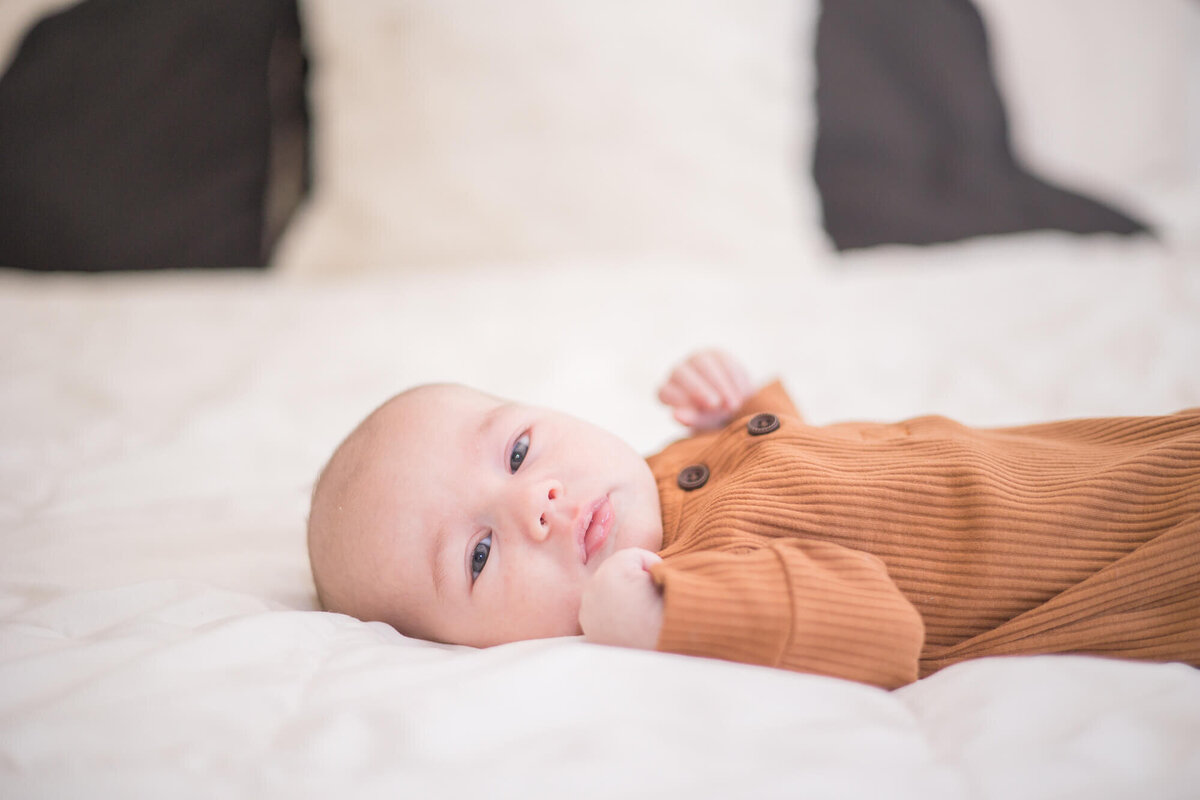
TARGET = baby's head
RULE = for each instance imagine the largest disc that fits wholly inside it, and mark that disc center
(460, 517)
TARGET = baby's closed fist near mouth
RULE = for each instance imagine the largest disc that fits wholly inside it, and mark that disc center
(621, 605)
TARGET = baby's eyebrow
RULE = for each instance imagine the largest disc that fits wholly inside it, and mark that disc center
(437, 564)
(486, 422)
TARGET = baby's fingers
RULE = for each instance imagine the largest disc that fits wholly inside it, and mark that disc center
(693, 389)
(634, 560)
(674, 395)
(701, 420)
(686, 416)
(740, 378)
(648, 558)
(722, 373)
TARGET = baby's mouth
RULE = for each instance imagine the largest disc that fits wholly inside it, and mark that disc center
(593, 526)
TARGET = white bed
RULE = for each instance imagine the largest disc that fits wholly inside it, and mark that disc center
(159, 436)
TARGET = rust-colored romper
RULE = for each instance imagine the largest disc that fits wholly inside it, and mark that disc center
(884, 552)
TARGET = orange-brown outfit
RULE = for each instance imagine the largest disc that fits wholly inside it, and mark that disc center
(884, 552)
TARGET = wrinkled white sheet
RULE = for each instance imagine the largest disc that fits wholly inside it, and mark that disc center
(159, 435)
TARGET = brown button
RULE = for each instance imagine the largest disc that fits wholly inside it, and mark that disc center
(693, 477)
(762, 423)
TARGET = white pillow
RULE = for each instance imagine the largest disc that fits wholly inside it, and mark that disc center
(17, 17)
(1104, 96)
(467, 131)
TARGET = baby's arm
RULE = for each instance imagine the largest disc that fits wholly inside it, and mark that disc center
(798, 604)
(621, 605)
(801, 605)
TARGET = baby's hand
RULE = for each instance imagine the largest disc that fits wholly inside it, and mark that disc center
(706, 390)
(620, 603)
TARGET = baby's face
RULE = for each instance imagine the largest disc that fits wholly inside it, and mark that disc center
(477, 521)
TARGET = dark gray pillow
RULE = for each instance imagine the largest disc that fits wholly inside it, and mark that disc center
(912, 140)
(139, 135)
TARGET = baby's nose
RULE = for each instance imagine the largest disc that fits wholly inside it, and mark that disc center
(542, 513)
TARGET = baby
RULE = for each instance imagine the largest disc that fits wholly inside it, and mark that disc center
(874, 552)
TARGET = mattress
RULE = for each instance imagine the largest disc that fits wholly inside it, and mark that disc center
(160, 435)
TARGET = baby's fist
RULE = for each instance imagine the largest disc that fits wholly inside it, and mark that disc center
(620, 603)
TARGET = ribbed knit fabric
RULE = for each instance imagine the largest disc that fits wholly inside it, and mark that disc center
(884, 552)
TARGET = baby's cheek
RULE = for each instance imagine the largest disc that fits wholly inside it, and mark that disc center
(561, 619)
(545, 608)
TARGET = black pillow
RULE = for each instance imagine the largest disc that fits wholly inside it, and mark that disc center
(912, 139)
(140, 135)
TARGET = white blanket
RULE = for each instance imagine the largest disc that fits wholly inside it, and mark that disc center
(159, 435)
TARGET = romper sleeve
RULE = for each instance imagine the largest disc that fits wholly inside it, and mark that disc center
(771, 398)
(802, 605)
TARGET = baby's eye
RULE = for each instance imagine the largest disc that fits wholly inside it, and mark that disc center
(480, 556)
(519, 451)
